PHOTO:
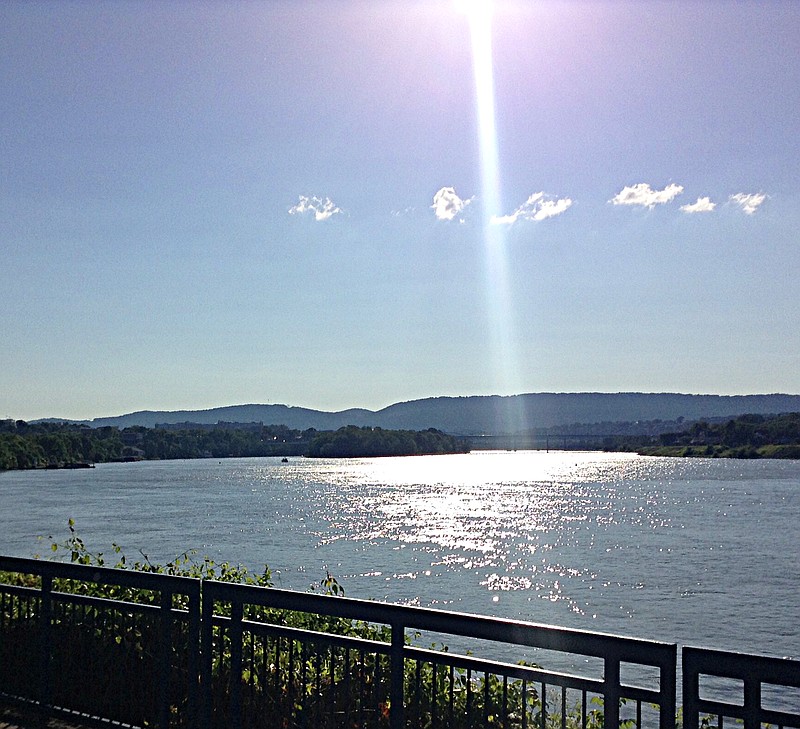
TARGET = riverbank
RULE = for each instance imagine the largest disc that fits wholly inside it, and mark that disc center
(720, 451)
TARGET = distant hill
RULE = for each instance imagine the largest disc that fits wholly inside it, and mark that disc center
(292, 417)
(479, 414)
(520, 413)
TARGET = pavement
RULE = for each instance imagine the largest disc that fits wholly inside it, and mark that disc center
(18, 716)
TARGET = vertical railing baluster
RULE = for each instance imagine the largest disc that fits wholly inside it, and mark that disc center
(46, 638)
(376, 685)
(207, 689)
(290, 676)
(397, 698)
(348, 685)
(318, 681)
(543, 712)
(251, 676)
(164, 656)
(88, 636)
(505, 702)
(583, 709)
(193, 667)
(362, 698)
(263, 682)
(418, 689)
(524, 699)
(277, 674)
(303, 682)
(125, 697)
(452, 693)
(486, 697)
(235, 695)
(469, 697)
(504, 707)
(332, 690)
(434, 673)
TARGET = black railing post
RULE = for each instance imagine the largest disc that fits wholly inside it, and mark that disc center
(396, 698)
(668, 689)
(46, 642)
(691, 689)
(236, 665)
(611, 692)
(164, 659)
(752, 702)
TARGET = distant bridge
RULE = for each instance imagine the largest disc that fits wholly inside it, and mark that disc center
(560, 441)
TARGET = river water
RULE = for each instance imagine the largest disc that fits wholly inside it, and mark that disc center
(693, 551)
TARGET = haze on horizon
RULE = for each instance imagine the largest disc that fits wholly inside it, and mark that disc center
(218, 203)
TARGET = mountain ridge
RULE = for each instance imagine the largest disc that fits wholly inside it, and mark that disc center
(480, 414)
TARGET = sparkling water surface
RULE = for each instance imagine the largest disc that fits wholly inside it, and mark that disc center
(695, 551)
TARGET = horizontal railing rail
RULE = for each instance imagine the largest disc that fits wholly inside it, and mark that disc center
(753, 672)
(146, 649)
(156, 582)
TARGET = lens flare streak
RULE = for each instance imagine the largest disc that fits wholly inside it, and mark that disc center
(500, 317)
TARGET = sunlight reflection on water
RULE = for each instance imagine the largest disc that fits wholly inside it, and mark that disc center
(469, 515)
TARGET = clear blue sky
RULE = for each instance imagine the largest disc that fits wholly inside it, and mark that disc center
(216, 203)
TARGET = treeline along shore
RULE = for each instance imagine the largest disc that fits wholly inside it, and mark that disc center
(748, 436)
(57, 445)
(63, 445)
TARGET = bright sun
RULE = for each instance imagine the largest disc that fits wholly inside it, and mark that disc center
(474, 9)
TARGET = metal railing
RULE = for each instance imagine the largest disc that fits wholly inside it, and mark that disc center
(136, 649)
(130, 657)
(396, 684)
(752, 674)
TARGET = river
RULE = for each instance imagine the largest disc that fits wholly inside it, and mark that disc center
(693, 551)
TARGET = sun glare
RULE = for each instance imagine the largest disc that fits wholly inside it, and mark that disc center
(499, 306)
(474, 8)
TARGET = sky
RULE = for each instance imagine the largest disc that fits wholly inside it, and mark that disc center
(350, 204)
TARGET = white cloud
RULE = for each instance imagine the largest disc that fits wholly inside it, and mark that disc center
(323, 208)
(504, 219)
(536, 207)
(749, 202)
(551, 208)
(642, 194)
(703, 205)
(447, 204)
